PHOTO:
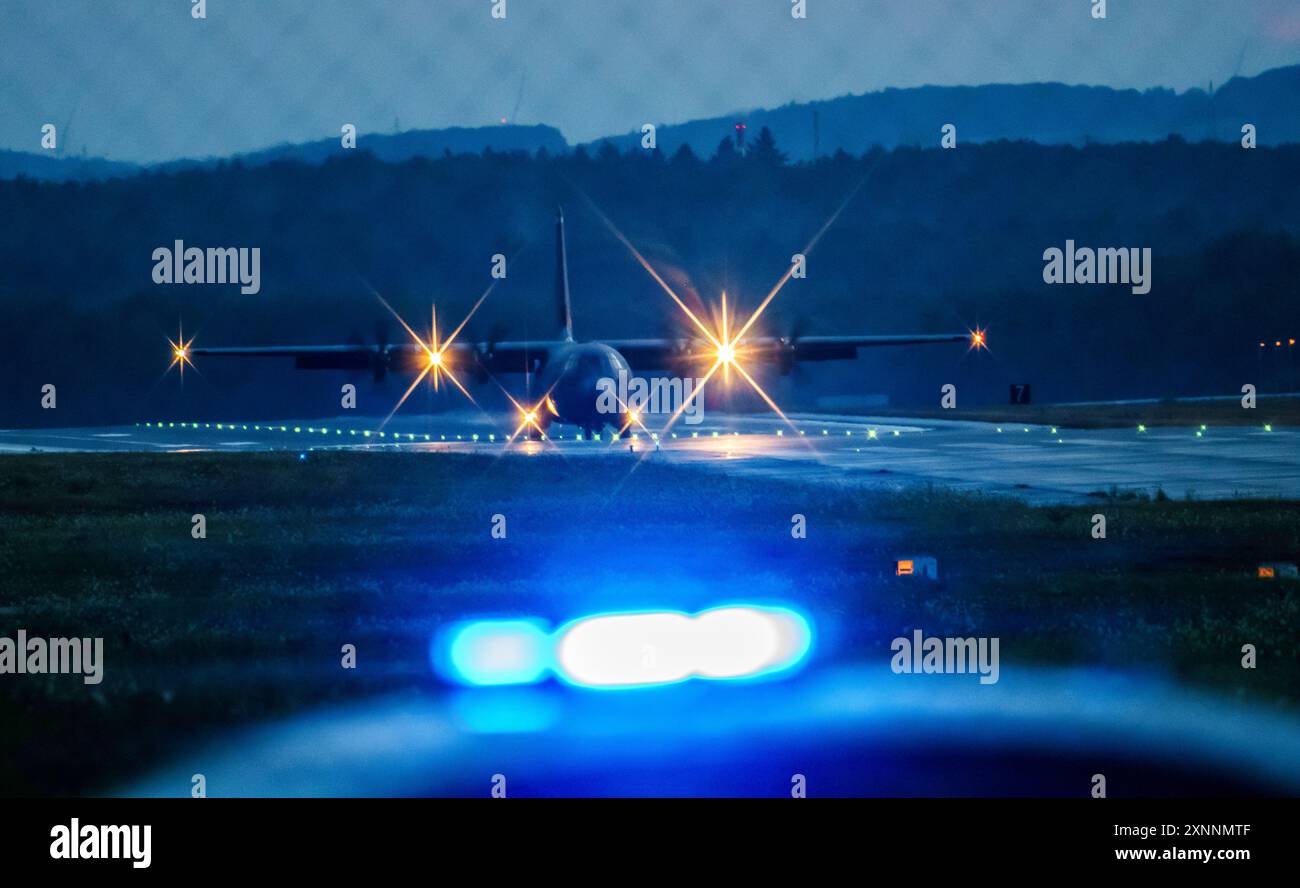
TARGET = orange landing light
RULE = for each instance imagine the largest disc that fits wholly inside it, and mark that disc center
(904, 568)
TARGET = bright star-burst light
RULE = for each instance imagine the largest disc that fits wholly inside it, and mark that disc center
(530, 418)
(726, 349)
(437, 364)
(180, 351)
(727, 353)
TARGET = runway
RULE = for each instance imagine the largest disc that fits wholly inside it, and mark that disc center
(1034, 462)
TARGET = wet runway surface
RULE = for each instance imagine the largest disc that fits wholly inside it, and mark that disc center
(1039, 463)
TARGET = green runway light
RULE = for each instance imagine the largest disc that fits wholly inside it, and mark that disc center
(1141, 428)
(872, 434)
(1199, 434)
(492, 437)
(296, 429)
(895, 433)
(219, 426)
(848, 434)
(715, 434)
(695, 434)
(1203, 428)
(1026, 428)
(824, 432)
(801, 431)
(475, 437)
(1053, 430)
(999, 430)
(366, 433)
(778, 433)
(1268, 427)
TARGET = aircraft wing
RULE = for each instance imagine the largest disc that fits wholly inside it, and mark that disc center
(531, 356)
(493, 357)
(656, 354)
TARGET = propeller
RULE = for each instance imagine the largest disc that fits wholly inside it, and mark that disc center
(379, 355)
(787, 363)
(496, 333)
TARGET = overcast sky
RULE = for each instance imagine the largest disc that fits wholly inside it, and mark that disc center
(142, 80)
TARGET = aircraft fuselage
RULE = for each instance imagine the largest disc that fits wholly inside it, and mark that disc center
(571, 376)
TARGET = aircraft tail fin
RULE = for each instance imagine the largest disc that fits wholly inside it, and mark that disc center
(562, 279)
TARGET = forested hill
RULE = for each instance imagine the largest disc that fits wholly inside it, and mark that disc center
(1047, 113)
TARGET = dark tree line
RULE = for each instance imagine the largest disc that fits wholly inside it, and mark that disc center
(931, 240)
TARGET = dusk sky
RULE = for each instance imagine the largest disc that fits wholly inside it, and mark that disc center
(141, 80)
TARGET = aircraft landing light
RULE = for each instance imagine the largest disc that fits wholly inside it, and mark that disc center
(618, 651)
